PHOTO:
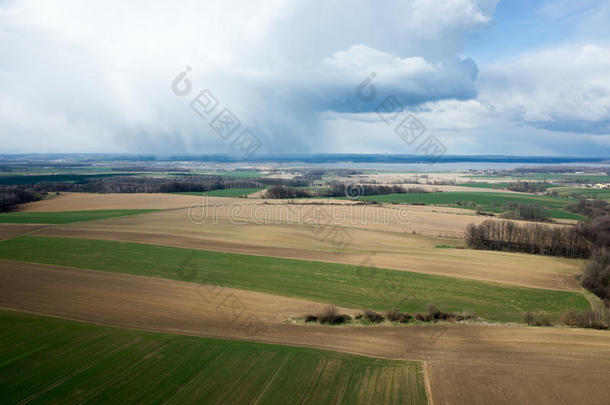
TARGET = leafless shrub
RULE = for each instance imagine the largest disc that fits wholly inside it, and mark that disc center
(330, 315)
(405, 317)
(311, 318)
(422, 317)
(433, 312)
(393, 315)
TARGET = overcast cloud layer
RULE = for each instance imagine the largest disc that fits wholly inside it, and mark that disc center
(90, 76)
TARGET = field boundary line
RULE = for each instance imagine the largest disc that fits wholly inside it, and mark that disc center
(427, 378)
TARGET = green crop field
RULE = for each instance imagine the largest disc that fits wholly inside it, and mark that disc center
(577, 192)
(64, 217)
(227, 192)
(341, 284)
(487, 201)
(48, 360)
(479, 198)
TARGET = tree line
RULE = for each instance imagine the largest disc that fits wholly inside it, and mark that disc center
(338, 190)
(10, 197)
(589, 240)
(13, 195)
(528, 238)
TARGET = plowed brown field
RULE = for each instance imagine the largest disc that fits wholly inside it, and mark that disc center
(466, 364)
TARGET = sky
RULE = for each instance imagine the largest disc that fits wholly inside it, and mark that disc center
(513, 77)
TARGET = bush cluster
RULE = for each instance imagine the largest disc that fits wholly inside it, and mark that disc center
(536, 319)
(524, 212)
(331, 316)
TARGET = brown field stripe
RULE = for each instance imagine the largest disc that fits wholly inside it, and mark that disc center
(426, 373)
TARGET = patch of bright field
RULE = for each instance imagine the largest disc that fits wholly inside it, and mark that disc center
(579, 192)
(341, 284)
(48, 360)
(64, 217)
(472, 199)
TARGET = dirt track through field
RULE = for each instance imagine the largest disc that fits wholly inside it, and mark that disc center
(466, 364)
(8, 231)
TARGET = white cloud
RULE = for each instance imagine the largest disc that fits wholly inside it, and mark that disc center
(102, 69)
(566, 88)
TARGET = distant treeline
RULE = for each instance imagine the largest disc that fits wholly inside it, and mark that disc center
(338, 190)
(10, 197)
(527, 187)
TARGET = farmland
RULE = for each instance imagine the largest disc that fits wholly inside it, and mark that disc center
(403, 202)
(564, 177)
(278, 230)
(64, 217)
(349, 286)
(578, 192)
(551, 365)
(492, 202)
(226, 267)
(88, 363)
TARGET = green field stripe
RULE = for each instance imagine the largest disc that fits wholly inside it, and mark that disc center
(341, 284)
(488, 201)
(64, 217)
(483, 198)
(91, 363)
